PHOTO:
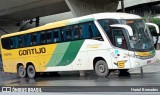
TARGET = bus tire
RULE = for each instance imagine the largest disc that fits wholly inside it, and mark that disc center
(31, 71)
(21, 71)
(101, 68)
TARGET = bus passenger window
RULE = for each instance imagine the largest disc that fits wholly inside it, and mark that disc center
(15, 42)
(12, 43)
(26, 40)
(105, 24)
(77, 33)
(95, 32)
(42, 37)
(69, 33)
(49, 36)
(34, 39)
(4, 43)
(8, 43)
(56, 36)
(85, 31)
(20, 41)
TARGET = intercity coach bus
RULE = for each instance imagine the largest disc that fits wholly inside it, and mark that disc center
(156, 37)
(100, 42)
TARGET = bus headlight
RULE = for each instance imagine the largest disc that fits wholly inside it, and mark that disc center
(135, 56)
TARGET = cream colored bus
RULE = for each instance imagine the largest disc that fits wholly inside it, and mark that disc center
(100, 42)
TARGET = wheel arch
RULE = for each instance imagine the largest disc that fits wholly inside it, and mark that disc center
(19, 64)
(30, 63)
(97, 59)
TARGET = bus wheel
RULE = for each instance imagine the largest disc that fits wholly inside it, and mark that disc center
(21, 71)
(101, 68)
(31, 71)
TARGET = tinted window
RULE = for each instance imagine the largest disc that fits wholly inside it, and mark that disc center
(68, 33)
(20, 41)
(43, 37)
(27, 40)
(7, 43)
(49, 35)
(95, 32)
(77, 33)
(34, 39)
(74, 32)
(89, 31)
(105, 24)
(56, 34)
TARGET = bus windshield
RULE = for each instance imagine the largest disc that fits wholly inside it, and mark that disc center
(142, 39)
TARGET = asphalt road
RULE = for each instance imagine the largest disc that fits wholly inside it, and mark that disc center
(73, 79)
(151, 77)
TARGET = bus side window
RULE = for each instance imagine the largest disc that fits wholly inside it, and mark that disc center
(56, 35)
(26, 40)
(68, 33)
(34, 39)
(8, 43)
(95, 32)
(106, 26)
(11, 43)
(4, 43)
(85, 31)
(20, 41)
(42, 37)
(63, 34)
(16, 41)
(76, 32)
(49, 36)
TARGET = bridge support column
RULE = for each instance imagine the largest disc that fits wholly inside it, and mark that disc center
(86, 7)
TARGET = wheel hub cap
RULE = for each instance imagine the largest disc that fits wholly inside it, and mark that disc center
(101, 68)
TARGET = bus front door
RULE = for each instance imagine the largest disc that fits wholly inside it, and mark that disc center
(119, 53)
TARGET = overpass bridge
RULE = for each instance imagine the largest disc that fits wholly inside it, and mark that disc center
(13, 11)
(141, 7)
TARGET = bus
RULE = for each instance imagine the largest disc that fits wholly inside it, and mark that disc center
(154, 29)
(101, 42)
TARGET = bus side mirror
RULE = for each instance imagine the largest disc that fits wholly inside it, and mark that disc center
(154, 25)
(126, 27)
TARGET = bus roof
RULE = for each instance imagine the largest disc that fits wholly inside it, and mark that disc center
(115, 15)
(76, 21)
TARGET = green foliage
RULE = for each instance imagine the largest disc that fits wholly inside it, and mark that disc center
(153, 20)
(152, 29)
(156, 21)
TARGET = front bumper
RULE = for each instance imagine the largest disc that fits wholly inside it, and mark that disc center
(137, 62)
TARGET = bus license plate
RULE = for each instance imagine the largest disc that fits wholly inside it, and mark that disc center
(149, 62)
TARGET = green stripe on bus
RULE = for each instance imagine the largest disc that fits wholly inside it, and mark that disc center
(80, 21)
(86, 20)
(71, 53)
(58, 54)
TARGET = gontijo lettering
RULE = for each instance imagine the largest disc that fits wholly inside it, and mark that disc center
(32, 51)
